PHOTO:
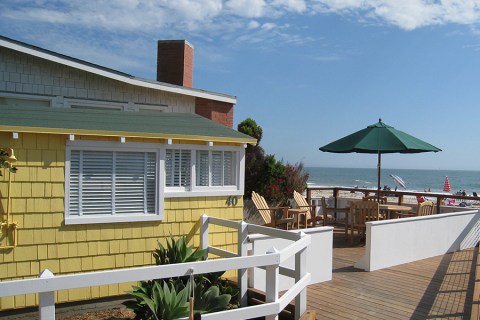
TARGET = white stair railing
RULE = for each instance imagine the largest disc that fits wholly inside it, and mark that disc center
(47, 284)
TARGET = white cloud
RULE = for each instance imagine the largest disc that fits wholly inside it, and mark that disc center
(268, 26)
(246, 8)
(206, 15)
(406, 14)
(291, 5)
(253, 25)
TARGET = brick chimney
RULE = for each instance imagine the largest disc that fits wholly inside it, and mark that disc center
(175, 62)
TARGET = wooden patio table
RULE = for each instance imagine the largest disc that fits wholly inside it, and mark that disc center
(387, 207)
(298, 215)
(394, 208)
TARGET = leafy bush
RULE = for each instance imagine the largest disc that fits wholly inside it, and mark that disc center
(210, 300)
(177, 252)
(263, 173)
(155, 301)
(162, 298)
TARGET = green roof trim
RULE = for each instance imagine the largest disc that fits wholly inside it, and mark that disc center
(166, 125)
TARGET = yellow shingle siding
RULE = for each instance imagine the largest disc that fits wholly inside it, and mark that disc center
(45, 242)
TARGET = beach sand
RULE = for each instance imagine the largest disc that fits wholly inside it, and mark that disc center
(317, 194)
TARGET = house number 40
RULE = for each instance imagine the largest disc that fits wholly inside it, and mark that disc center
(232, 201)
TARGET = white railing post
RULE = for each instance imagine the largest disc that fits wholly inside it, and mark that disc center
(271, 285)
(300, 271)
(242, 252)
(46, 305)
(204, 233)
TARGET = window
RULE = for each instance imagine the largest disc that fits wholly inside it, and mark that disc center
(194, 170)
(216, 168)
(111, 185)
(178, 168)
(109, 182)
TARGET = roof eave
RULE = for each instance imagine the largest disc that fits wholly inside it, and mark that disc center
(145, 135)
(123, 77)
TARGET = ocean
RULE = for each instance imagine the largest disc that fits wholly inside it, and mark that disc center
(415, 180)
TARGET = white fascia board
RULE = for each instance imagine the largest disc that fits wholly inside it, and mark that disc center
(123, 78)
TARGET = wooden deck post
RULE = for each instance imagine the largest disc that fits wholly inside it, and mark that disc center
(204, 233)
(242, 273)
(439, 204)
(271, 285)
(300, 271)
(46, 305)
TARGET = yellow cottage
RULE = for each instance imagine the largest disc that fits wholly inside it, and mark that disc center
(108, 164)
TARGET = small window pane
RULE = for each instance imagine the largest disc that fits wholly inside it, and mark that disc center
(229, 166)
(217, 168)
(202, 168)
(178, 168)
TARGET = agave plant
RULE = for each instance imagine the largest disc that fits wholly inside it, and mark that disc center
(177, 252)
(209, 300)
(155, 302)
(162, 298)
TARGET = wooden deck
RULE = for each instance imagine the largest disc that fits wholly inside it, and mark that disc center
(439, 287)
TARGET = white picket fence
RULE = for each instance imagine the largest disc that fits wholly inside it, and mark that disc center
(47, 283)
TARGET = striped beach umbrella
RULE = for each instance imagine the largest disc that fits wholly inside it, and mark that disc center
(446, 185)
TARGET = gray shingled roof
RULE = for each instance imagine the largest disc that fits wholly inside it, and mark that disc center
(167, 125)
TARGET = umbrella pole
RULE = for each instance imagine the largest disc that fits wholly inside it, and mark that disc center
(378, 174)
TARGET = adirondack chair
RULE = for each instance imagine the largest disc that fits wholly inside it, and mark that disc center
(309, 218)
(269, 213)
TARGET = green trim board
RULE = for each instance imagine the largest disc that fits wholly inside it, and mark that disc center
(165, 125)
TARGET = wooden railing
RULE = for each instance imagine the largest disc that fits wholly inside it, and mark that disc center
(391, 193)
(47, 283)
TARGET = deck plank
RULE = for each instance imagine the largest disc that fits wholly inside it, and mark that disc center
(438, 287)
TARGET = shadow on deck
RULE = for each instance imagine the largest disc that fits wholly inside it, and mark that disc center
(434, 288)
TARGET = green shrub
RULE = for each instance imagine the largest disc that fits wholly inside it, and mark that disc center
(163, 298)
(177, 252)
(155, 301)
(264, 174)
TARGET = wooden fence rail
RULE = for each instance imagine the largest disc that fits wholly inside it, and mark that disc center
(391, 193)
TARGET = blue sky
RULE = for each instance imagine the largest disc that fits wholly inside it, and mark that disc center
(309, 72)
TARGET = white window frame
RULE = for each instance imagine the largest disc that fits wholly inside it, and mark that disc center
(197, 191)
(162, 191)
(178, 188)
(115, 146)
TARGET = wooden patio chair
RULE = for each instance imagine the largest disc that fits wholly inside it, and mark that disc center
(381, 200)
(425, 208)
(332, 213)
(269, 214)
(360, 213)
(310, 219)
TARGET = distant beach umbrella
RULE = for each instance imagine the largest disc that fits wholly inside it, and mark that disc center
(379, 138)
(446, 185)
(399, 181)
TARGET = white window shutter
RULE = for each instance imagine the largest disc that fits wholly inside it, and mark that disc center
(178, 168)
(229, 168)
(74, 205)
(108, 182)
(96, 185)
(217, 168)
(202, 168)
(185, 168)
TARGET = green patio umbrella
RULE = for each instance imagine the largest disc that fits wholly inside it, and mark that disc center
(379, 138)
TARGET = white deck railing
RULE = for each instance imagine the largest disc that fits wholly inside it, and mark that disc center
(397, 241)
(47, 284)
